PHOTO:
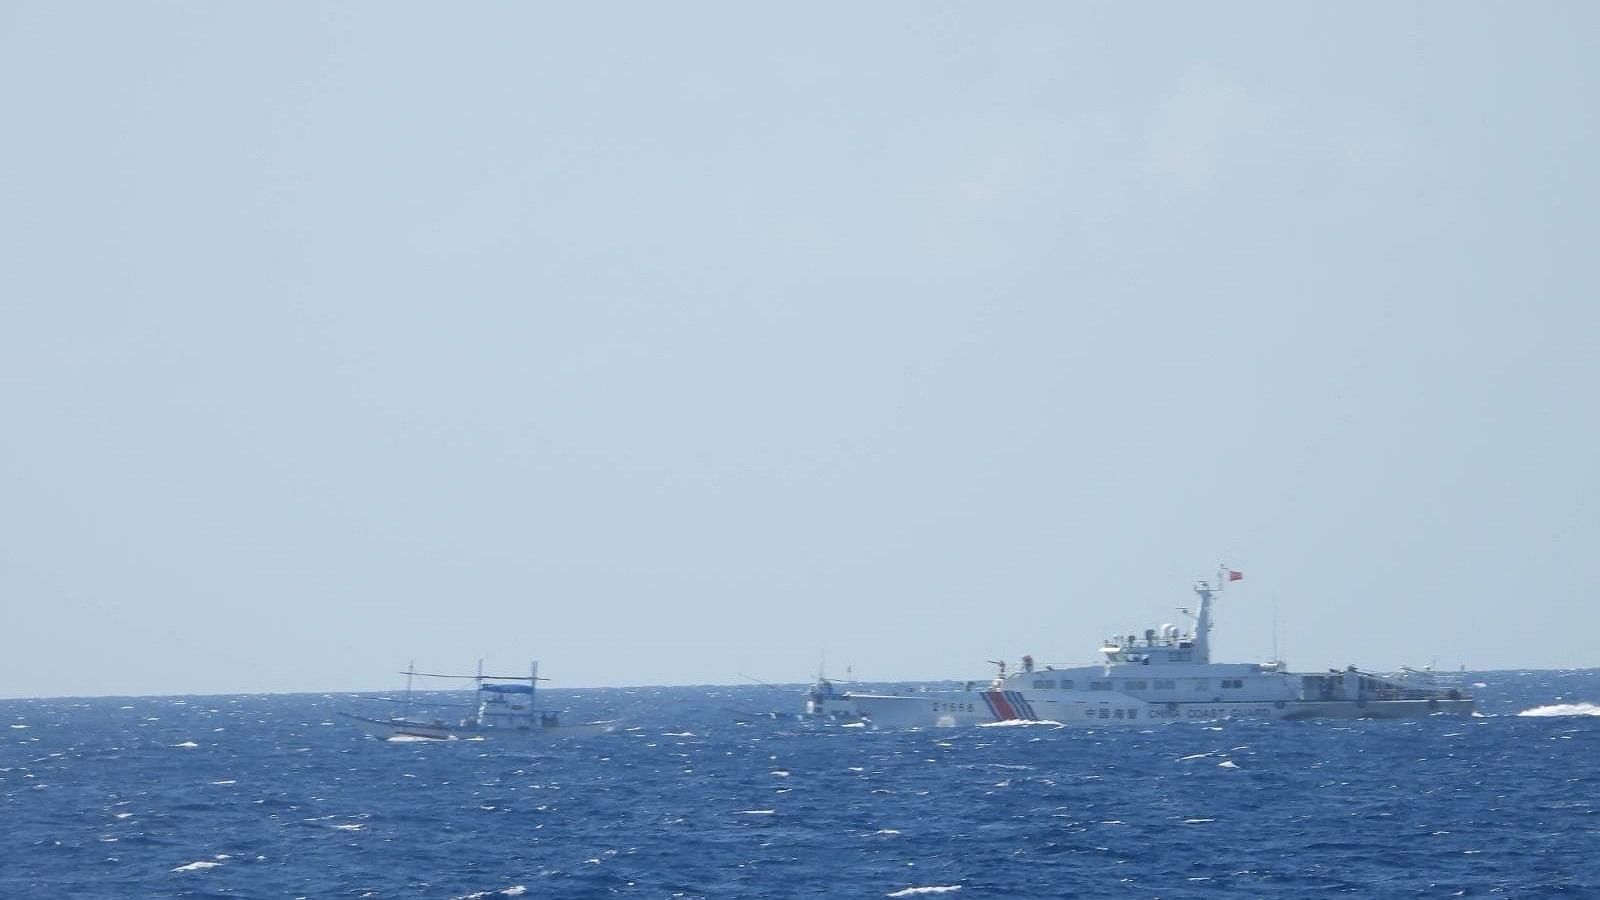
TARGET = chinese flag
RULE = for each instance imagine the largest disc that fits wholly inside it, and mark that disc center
(1234, 576)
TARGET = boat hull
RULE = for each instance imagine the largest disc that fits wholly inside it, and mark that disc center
(405, 730)
(950, 709)
(833, 708)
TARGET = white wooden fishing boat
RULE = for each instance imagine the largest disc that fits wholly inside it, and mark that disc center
(503, 707)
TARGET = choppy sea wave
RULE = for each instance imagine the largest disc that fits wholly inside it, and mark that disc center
(274, 796)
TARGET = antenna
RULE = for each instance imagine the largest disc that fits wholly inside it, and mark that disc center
(481, 714)
(1275, 656)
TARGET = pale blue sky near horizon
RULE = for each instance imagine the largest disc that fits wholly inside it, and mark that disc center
(675, 343)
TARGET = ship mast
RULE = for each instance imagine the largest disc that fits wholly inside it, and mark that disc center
(533, 688)
(1202, 622)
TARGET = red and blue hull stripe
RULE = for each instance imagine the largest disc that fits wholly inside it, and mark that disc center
(1006, 705)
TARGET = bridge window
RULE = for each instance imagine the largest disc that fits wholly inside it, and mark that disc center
(1099, 685)
(1044, 683)
(1202, 684)
(1162, 684)
(1233, 682)
(1135, 684)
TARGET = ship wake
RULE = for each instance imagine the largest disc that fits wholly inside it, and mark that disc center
(1563, 709)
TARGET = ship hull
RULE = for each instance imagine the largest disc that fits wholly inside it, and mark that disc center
(936, 709)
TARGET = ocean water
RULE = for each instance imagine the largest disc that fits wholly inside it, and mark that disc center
(274, 796)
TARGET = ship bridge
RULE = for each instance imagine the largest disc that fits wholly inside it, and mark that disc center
(1164, 646)
(1168, 644)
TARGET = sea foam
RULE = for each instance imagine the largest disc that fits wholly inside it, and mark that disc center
(1563, 709)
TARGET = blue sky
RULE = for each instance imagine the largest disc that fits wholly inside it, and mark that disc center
(665, 344)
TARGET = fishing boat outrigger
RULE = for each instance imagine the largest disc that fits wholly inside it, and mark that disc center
(503, 707)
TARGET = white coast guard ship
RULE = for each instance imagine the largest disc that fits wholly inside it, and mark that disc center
(1169, 676)
(503, 707)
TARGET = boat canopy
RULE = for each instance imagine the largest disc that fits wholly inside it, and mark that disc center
(507, 688)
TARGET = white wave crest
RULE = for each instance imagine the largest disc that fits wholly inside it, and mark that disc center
(516, 890)
(1563, 709)
(1018, 723)
(198, 865)
(932, 889)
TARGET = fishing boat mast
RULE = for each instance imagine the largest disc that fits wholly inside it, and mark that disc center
(477, 694)
(411, 670)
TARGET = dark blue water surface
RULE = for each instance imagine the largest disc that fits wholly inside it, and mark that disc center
(274, 796)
